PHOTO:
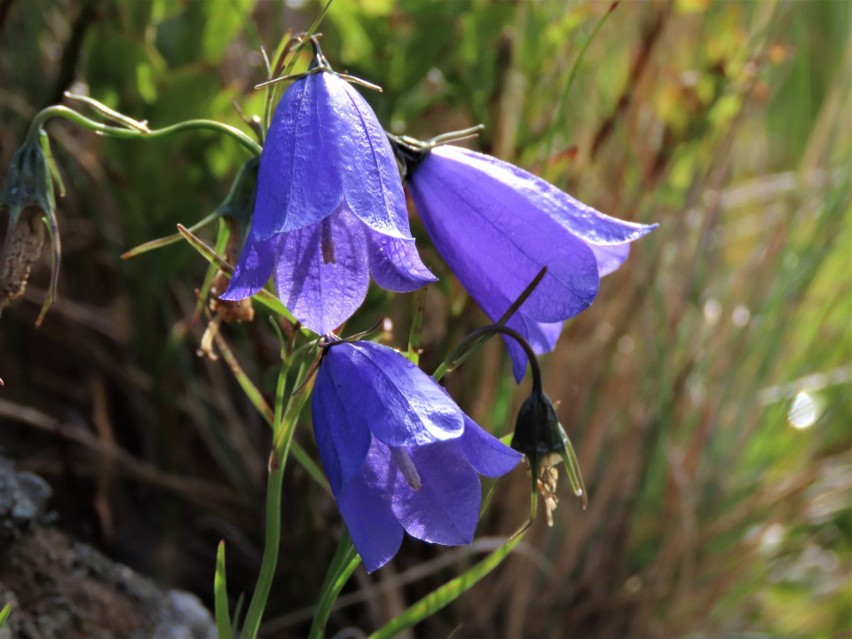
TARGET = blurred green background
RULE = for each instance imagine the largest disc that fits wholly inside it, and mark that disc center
(707, 389)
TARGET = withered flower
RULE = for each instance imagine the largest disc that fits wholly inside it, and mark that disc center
(28, 200)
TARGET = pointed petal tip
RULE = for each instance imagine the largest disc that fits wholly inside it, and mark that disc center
(486, 454)
(396, 265)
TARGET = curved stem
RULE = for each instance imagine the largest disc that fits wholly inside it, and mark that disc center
(487, 331)
(135, 134)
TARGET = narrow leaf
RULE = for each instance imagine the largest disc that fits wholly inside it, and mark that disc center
(343, 564)
(220, 594)
(446, 594)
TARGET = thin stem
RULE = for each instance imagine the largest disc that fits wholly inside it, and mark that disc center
(271, 546)
(343, 564)
(132, 134)
(284, 425)
(417, 325)
(459, 355)
(563, 96)
(488, 331)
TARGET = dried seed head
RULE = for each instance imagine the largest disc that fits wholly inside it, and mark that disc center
(21, 249)
(27, 199)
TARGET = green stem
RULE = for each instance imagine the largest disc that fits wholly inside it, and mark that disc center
(343, 564)
(465, 350)
(566, 89)
(271, 546)
(284, 425)
(134, 134)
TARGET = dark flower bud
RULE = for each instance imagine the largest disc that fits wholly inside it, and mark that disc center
(540, 436)
(27, 197)
(236, 210)
(238, 207)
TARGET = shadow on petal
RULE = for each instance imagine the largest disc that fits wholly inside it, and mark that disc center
(252, 270)
(445, 509)
(323, 274)
(365, 504)
(395, 264)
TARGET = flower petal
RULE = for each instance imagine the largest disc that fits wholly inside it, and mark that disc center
(252, 270)
(299, 181)
(445, 509)
(398, 402)
(342, 439)
(366, 508)
(542, 336)
(487, 454)
(610, 257)
(496, 242)
(322, 274)
(372, 185)
(395, 264)
(583, 221)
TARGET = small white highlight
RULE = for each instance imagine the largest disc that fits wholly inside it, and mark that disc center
(741, 316)
(712, 311)
(803, 412)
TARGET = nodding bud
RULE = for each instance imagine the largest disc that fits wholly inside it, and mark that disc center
(28, 200)
(238, 207)
(540, 436)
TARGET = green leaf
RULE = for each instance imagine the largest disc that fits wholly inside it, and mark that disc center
(220, 592)
(343, 564)
(4, 614)
(446, 594)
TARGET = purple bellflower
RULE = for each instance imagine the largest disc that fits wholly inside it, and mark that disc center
(400, 455)
(330, 210)
(497, 225)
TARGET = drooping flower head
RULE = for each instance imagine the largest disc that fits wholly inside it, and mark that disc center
(330, 210)
(28, 200)
(400, 455)
(497, 225)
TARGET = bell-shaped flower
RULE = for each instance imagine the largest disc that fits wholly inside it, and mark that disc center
(400, 455)
(330, 210)
(497, 225)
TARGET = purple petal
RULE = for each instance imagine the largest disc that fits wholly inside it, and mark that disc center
(372, 185)
(496, 241)
(252, 270)
(298, 180)
(395, 264)
(398, 402)
(583, 221)
(487, 454)
(610, 257)
(541, 336)
(342, 438)
(366, 508)
(322, 274)
(445, 509)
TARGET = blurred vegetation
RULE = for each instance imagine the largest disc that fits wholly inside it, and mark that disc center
(726, 122)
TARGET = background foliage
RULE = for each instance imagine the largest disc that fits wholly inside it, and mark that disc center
(726, 122)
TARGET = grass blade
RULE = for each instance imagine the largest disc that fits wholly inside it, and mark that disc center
(446, 594)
